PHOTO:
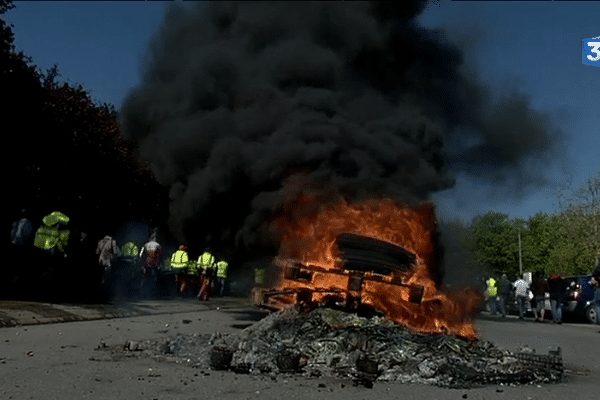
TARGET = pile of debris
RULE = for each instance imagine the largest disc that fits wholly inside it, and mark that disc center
(327, 342)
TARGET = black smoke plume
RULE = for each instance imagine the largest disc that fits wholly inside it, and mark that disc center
(245, 107)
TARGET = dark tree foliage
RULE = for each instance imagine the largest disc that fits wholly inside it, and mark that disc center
(6, 35)
(68, 154)
(64, 152)
(94, 171)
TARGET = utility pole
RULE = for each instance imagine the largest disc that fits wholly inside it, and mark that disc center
(520, 259)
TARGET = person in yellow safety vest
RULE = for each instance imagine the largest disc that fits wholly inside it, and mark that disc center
(130, 249)
(52, 234)
(130, 252)
(206, 264)
(206, 260)
(259, 275)
(222, 275)
(180, 263)
(492, 294)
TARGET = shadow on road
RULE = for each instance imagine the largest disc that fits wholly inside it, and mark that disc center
(248, 315)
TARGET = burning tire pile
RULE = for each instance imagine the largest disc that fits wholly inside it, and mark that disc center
(333, 343)
(418, 334)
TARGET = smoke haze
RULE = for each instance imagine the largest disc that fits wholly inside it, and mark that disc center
(248, 107)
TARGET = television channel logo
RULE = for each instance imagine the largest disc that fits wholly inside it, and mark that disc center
(591, 51)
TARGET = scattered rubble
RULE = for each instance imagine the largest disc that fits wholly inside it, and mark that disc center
(327, 342)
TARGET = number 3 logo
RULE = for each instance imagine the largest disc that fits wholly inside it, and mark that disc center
(595, 49)
(591, 51)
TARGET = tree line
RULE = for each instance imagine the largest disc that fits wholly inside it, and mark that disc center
(566, 242)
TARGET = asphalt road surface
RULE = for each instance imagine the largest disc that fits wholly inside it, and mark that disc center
(54, 352)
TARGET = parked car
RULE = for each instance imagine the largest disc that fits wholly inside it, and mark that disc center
(581, 298)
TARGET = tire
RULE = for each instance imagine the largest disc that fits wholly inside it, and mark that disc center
(362, 253)
(590, 314)
(220, 357)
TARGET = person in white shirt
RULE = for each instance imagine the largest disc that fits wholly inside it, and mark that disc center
(521, 294)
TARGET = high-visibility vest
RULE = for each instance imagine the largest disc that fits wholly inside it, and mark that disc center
(492, 288)
(63, 239)
(46, 237)
(259, 275)
(222, 269)
(179, 259)
(206, 260)
(54, 218)
(130, 249)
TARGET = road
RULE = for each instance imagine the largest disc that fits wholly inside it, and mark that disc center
(49, 359)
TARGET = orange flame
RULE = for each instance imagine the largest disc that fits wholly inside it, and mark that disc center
(311, 238)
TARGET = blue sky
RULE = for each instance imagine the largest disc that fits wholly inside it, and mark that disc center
(535, 46)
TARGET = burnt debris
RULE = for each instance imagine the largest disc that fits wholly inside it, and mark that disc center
(328, 342)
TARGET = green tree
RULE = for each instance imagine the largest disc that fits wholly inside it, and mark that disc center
(578, 239)
(494, 243)
(541, 238)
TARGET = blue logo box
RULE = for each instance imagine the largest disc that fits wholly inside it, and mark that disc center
(591, 51)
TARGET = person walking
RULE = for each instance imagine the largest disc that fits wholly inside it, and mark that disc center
(179, 264)
(595, 283)
(130, 250)
(22, 232)
(206, 263)
(557, 294)
(107, 250)
(492, 294)
(204, 292)
(539, 288)
(504, 292)
(151, 257)
(521, 294)
(53, 234)
(222, 267)
(259, 276)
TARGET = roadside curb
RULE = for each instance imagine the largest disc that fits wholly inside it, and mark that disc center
(17, 313)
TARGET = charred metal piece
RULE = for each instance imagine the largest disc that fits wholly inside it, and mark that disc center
(355, 282)
(220, 357)
(416, 294)
(550, 361)
(367, 366)
(364, 259)
(288, 361)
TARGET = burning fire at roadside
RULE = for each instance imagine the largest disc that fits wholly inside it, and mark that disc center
(249, 110)
(379, 255)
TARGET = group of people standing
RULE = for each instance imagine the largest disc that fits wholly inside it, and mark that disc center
(125, 270)
(198, 277)
(500, 293)
(128, 258)
(52, 235)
